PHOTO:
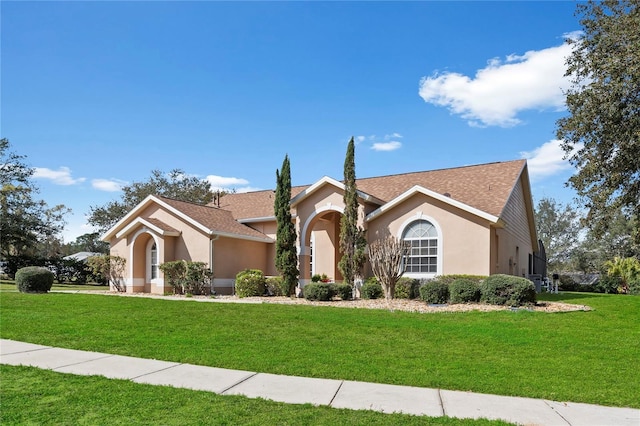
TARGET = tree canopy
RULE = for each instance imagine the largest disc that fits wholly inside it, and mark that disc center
(26, 223)
(559, 229)
(601, 134)
(176, 185)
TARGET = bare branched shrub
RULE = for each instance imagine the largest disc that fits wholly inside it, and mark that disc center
(386, 256)
(111, 268)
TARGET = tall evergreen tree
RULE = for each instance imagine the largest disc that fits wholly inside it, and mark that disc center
(286, 257)
(352, 241)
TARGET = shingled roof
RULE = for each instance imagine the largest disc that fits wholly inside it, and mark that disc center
(218, 221)
(486, 187)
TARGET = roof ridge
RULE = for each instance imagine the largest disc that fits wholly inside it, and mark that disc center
(442, 169)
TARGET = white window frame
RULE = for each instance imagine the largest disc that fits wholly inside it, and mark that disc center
(439, 245)
(150, 266)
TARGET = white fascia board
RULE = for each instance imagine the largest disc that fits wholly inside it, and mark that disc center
(242, 237)
(262, 219)
(447, 200)
(114, 229)
(331, 181)
(257, 219)
(141, 221)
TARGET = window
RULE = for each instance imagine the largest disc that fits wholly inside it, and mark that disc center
(422, 237)
(154, 261)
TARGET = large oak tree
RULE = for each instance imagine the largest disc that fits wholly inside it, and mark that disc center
(601, 134)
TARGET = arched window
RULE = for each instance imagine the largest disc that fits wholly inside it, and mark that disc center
(153, 261)
(422, 237)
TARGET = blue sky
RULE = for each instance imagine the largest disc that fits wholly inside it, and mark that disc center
(98, 94)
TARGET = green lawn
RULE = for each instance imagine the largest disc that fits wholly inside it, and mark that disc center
(580, 356)
(33, 396)
(11, 286)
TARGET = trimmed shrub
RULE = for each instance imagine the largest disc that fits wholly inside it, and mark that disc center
(250, 283)
(567, 283)
(344, 291)
(607, 284)
(434, 291)
(318, 291)
(371, 289)
(34, 279)
(407, 288)
(464, 290)
(449, 279)
(509, 290)
(275, 286)
(316, 278)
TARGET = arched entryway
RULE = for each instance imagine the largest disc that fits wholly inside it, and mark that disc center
(145, 259)
(321, 238)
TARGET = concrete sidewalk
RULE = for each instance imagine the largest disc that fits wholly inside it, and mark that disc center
(334, 393)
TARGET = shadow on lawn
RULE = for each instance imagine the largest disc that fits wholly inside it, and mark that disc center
(567, 296)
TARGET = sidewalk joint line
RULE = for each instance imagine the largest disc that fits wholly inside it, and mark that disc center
(441, 403)
(236, 384)
(557, 412)
(82, 362)
(156, 371)
(336, 394)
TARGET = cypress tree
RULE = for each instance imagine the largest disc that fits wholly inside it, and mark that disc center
(286, 257)
(352, 239)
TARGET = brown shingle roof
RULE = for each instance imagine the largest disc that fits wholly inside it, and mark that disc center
(486, 187)
(214, 219)
(160, 224)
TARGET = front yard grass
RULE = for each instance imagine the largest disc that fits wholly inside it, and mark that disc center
(579, 356)
(33, 396)
(10, 286)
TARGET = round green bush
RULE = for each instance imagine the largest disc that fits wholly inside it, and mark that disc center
(464, 290)
(250, 282)
(407, 288)
(509, 290)
(371, 289)
(318, 291)
(434, 291)
(34, 279)
(344, 291)
(275, 286)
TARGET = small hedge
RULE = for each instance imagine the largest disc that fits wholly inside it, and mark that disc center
(343, 291)
(371, 289)
(250, 283)
(318, 291)
(508, 290)
(435, 292)
(464, 290)
(34, 279)
(275, 286)
(407, 288)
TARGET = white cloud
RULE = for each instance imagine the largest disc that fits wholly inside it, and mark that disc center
(108, 185)
(221, 182)
(247, 189)
(386, 146)
(359, 139)
(61, 176)
(546, 160)
(502, 89)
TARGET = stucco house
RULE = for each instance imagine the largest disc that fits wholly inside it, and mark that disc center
(475, 219)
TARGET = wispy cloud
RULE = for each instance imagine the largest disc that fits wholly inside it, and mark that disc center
(386, 146)
(108, 185)
(387, 142)
(62, 176)
(498, 92)
(223, 183)
(546, 160)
